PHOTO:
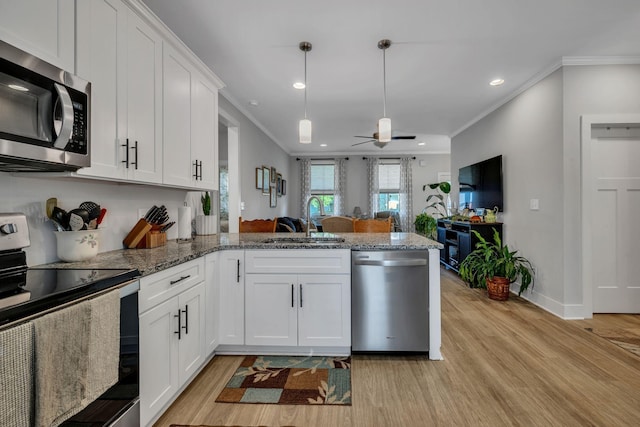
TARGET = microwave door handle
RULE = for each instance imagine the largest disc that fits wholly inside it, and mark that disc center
(66, 117)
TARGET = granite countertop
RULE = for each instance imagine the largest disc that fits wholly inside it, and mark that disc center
(149, 261)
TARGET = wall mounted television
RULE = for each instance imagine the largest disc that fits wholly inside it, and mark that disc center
(480, 185)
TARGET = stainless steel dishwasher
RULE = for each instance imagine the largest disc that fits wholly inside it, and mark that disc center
(390, 301)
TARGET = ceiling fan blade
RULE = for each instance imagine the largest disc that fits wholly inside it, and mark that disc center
(404, 137)
(359, 136)
(364, 142)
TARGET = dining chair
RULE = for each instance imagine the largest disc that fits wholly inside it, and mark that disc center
(258, 225)
(372, 225)
(337, 224)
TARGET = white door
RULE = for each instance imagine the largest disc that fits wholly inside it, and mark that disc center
(231, 297)
(158, 358)
(144, 96)
(615, 208)
(191, 337)
(271, 309)
(324, 316)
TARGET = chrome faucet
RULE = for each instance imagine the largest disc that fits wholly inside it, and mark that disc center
(309, 214)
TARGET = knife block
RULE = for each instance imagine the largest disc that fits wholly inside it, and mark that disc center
(152, 239)
(137, 234)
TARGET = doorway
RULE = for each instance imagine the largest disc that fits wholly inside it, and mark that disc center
(229, 173)
(611, 206)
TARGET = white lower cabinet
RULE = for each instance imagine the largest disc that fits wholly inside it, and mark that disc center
(231, 283)
(309, 305)
(212, 300)
(298, 310)
(172, 335)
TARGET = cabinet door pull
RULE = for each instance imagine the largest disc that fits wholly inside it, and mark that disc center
(292, 301)
(173, 282)
(126, 154)
(179, 331)
(238, 274)
(195, 167)
(200, 171)
(186, 319)
(135, 150)
(300, 295)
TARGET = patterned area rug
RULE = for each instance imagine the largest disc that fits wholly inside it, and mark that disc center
(290, 380)
(628, 340)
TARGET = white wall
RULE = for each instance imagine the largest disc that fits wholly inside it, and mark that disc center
(527, 132)
(257, 149)
(357, 186)
(538, 134)
(22, 193)
(610, 89)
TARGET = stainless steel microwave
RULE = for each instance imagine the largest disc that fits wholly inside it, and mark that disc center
(44, 115)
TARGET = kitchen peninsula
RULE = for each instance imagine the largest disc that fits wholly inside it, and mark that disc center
(235, 294)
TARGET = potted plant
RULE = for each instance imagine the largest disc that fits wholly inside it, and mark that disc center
(494, 266)
(206, 223)
(426, 225)
(439, 202)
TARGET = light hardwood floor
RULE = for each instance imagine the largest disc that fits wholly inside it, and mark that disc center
(506, 364)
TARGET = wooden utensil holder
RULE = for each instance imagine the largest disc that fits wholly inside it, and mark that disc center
(153, 239)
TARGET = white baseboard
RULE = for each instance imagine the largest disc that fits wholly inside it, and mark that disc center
(564, 311)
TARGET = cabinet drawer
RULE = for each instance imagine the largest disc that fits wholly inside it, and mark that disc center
(161, 286)
(325, 261)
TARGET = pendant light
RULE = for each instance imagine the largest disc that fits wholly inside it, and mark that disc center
(305, 124)
(384, 124)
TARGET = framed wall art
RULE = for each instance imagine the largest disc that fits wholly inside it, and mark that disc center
(259, 178)
(273, 197)
(265, 180)
(279, 184)
(284, 187)
(273, 175)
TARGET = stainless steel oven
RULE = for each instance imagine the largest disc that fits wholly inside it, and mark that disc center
(44, 115)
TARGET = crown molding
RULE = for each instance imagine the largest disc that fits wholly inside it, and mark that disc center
(252, 119)
(564, 61)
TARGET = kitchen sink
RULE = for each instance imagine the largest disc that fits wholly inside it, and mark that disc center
(308, 240)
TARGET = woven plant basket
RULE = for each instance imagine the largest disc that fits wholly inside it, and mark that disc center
(498, 288)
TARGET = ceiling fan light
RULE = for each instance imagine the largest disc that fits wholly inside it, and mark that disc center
(384, 129)
(379, 144)
(305, 131)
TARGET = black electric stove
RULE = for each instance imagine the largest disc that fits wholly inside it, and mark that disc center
(29, 291)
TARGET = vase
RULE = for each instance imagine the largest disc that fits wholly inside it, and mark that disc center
(498, 288)
(206, 224)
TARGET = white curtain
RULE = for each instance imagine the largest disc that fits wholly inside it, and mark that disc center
(305, 185)
(372, 174)
(340, 187)
(406, 195)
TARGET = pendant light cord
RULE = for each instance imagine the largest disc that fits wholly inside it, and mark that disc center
(384, 83)
(305, 84)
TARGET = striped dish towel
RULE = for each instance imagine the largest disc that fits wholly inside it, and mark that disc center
(16, 376)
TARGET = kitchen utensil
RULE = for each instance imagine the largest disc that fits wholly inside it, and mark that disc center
(92, 208)
(150, 212)
(78, 219)
(51, 203)
(61, 217)
(167, 226)
(103, 212)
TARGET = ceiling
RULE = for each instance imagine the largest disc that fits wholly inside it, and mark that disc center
(442, 57)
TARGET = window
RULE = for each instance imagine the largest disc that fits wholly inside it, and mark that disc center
(323, 186)
(389, 186)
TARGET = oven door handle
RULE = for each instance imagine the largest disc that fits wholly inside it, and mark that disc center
(63, 125)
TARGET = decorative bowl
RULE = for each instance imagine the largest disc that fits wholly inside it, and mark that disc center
(77, 245)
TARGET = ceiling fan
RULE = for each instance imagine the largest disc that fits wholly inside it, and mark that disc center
(376, 141)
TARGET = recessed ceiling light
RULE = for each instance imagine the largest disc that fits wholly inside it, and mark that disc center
(496, 82)
(299, 85)
(420, 143)
(19, 88)
(323, 145)
(254, 103)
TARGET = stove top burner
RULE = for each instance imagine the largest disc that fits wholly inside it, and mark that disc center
(36, 289)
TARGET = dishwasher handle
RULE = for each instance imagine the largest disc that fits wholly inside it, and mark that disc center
(409, 262)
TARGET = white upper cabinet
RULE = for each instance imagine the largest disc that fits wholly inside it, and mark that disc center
(122, 58)
(190, 123)
(44, 28)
